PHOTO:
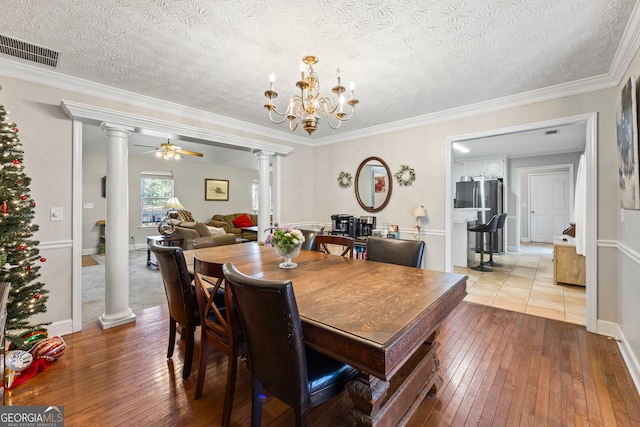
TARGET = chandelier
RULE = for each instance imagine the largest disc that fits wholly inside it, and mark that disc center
(310, 105)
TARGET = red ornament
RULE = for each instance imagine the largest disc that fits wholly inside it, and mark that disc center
(16, 130)
(36, 296)
(21, 248)
(33, 203)
(4, 207)
(23, 197)
(16, 162)
(28, 268)
(43, 259)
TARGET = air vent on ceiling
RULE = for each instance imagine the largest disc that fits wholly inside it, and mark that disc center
(551, 132)
(28, 51)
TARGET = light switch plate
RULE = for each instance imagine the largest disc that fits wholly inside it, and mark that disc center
(56, 214)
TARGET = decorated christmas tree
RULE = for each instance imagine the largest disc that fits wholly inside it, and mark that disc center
(19, 255)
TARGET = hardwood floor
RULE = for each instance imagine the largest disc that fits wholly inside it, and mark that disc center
(499, 368)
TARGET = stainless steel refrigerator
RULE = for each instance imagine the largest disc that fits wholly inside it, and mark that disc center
(483, 194)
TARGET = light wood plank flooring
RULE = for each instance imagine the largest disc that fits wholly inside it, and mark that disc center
(499, 367)
(524, 283)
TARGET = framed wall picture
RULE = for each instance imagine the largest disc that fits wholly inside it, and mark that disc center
(627, 127)
(216, 189)
(103, 186)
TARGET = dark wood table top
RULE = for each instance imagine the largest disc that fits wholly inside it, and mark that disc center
(371, 315)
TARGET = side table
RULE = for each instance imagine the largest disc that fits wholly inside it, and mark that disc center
(164, 241)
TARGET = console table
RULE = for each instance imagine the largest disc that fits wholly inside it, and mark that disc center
(568, 266)
(164, 241)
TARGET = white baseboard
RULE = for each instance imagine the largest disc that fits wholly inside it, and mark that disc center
(630, 359)
(94, 251)
(63, 327)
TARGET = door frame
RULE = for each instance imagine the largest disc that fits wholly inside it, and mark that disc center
(591, 171)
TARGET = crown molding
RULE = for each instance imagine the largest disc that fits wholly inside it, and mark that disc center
(577, 87)
(97, 115)
(628, 46)
(36, 74)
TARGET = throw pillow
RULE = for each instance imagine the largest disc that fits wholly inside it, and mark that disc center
(202, 229)
(216, 230)
(185, 215)
(243, 221)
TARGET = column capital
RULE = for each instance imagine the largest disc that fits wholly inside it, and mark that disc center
(263, 153)
(106, 126)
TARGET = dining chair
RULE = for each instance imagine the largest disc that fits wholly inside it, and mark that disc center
(395, 251)
(181, 299)
(293, 373)
(326, 242)
(219, 327)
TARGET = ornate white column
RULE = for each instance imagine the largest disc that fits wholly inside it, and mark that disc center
(116, 301)
(264, 199)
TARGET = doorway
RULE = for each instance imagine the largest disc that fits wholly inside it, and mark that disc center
(589, 123)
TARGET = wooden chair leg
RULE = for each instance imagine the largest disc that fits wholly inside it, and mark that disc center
(188, 354)
(256, 402)
(232, 370)
(205, 346)
(172, 337)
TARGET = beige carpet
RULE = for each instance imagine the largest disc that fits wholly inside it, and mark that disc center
(145, 286)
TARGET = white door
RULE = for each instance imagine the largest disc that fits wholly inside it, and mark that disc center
(550, 204)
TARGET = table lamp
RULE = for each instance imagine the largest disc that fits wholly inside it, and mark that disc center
(166, 226)
(419, 212)
(173, 203)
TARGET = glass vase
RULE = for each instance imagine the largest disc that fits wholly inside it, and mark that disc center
(287, 252)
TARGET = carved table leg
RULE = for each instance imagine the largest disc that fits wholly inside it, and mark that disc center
(367, 393)
(379, 403)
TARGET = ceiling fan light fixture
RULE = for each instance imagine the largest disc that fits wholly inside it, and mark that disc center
(311, 105)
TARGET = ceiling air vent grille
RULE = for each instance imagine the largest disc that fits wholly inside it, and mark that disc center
(28, 51)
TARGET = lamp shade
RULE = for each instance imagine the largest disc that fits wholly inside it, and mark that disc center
(173, 203)
(419, 211)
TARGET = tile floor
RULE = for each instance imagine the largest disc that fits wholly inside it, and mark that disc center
(524, 284)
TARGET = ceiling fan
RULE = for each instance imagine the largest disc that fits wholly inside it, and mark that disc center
(167, 150)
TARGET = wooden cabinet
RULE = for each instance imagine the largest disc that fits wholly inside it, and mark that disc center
(568, 266)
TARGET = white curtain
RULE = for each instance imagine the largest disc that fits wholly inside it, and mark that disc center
(580, 207)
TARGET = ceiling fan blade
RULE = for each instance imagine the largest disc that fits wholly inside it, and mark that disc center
(189, 153)
(149, 151)
(149, 146)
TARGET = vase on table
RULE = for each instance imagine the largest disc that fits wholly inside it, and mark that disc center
(287, 252)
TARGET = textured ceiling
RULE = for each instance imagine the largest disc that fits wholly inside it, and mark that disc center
(407, 57)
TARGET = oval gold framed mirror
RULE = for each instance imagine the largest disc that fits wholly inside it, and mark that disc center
(373, 184)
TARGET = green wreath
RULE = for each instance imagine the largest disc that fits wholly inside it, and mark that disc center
(405, 176)
(344, 179)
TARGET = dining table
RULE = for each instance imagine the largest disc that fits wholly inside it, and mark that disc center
(380, 318)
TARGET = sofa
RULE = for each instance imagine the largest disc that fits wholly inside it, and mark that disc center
(197, 235)
(227, 223)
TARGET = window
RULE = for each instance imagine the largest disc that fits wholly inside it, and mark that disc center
(155, 190)
(254, 196)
